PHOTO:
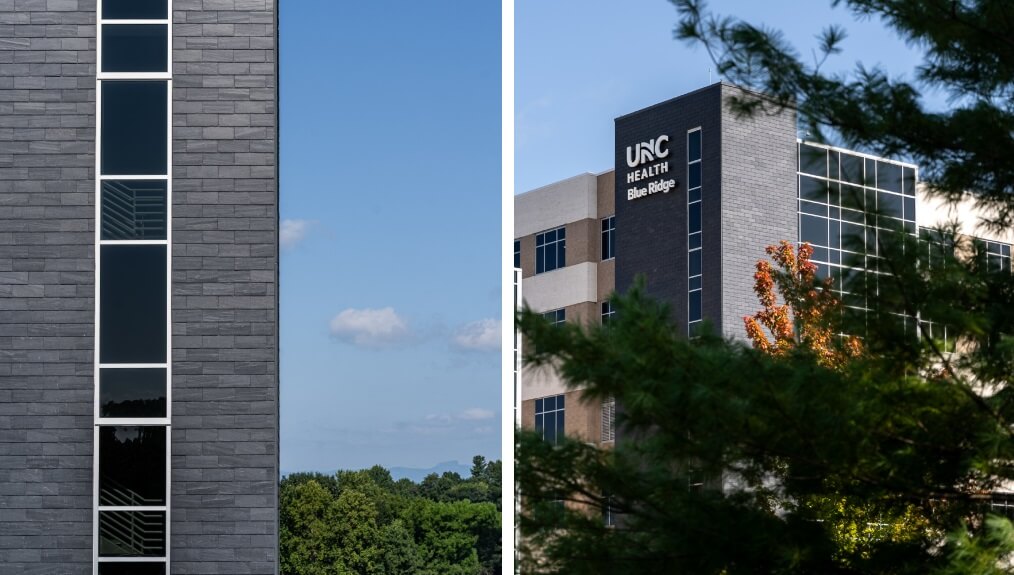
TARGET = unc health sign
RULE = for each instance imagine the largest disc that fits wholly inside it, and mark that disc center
(649, 163)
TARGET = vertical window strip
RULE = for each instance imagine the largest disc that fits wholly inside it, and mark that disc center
(132, 210)
(694, 231)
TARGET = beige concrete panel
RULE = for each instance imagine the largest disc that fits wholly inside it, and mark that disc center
(540, 382)
(606, 279)
(554, 205)
(932, 212)
(562, 287)
(606, 194)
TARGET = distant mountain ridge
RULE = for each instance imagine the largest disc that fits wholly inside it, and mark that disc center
(415, 474)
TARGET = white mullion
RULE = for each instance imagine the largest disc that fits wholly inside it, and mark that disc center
(133, 508)
(132, 421)
(135, 76)
(134, 21)
(134, 560)
(97, 300)
(132, 365)
(133, 242)
(162, 177)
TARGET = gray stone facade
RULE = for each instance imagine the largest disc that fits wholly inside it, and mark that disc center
(225, 265)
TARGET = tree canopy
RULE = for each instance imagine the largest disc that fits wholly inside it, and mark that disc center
(365, 523)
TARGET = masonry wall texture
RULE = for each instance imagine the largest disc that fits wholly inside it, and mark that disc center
(225, 305)
(758, 201)
(47, 135)
(225, 381)
(651, 232)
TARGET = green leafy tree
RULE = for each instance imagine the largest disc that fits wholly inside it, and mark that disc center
(307, 539)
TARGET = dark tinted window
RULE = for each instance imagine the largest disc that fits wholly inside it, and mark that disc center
(851, 169)
(134, 209)
(908, 181)
(134, 127)
(132, 392)
(135, 48)
(132, 533)
(135, 9)
(813, 160)
(695, 306)
(889, 205)
(694, 177)
(119, 568)
(889, 177)
(132, 465)
(133, 304)
(909, 202)
(517, 253)
(813, 230)
(813, 189)
(694, 217)
(694, 267)
(694, 146)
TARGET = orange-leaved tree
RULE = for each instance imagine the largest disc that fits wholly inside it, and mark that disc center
(808, 313)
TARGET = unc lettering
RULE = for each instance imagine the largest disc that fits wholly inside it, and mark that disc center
(643, 152)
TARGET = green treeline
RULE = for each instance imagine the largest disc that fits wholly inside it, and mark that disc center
(365, 523)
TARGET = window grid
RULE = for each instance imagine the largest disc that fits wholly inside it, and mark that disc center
(136, 218)
(517, 254)
(556, 316)
(550, 250)
(608, 238)
(846, 202)
(607, 312)
(694, 232)
(549, 418)
(608, 432)
(998, 256)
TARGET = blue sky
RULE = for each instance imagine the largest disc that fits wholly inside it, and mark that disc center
(390, 201)
(581, 63)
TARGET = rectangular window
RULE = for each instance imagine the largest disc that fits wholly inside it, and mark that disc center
(517, 254)
(550, 250)
(134, 209)
(608, 238)
(132, 392)
(609, 419)
(549, 420)
(132, 303)
(557, 316)
(135, 48)
(131, 533)
(131, 568)
(135, 9)
(134, 127)
(695, 227)
(607, 311)
(132, 463)
(133, 89)
(998, 256)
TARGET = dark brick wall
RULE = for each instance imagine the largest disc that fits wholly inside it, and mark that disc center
(758, 202)
(651, 232)
(225, 385)
(47, 133)
(225, 266)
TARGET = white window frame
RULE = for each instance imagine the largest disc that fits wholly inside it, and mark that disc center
(99, 242)
(691, 324)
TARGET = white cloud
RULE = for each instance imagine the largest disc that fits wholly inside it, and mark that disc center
(369, 327)
(476, 414)
(482, 335)
(292, 232)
